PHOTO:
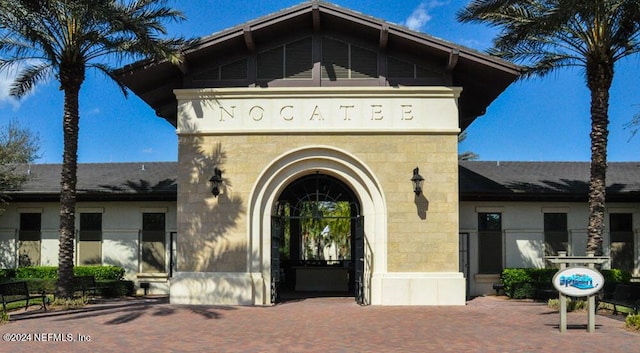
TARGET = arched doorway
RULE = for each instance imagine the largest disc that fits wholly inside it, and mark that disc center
(317, 240)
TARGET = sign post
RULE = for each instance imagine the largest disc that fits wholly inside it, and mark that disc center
(578, 277)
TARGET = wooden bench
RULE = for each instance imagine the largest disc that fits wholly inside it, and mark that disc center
(86, 285)
(624, 295)
(11, 292)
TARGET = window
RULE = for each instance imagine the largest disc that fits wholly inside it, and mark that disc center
(152, 243)
(90, 239)
(621, 234)
(556, 235)
(29, 238)
(489, 243)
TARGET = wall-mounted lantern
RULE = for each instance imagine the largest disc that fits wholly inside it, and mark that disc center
(417, 181)
(216, 181)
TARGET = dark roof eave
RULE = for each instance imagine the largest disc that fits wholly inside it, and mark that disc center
(36, 197)
(495, 70)
(544, 197)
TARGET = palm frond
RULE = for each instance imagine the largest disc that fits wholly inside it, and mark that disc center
(542, 33)
(28, 77)
(109, 72)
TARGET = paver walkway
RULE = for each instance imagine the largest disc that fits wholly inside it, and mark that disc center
(485, 324)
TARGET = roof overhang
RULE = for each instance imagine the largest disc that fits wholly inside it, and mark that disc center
(481, 76)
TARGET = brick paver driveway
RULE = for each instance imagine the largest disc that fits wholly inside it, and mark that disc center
(485, 324)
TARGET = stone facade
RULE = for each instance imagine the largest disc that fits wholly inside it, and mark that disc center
(406, 233)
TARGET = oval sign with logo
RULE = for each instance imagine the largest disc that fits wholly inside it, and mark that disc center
(578, 281)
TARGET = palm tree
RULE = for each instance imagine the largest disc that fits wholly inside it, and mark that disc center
(41, 39)
(545, 35)
(467, 155)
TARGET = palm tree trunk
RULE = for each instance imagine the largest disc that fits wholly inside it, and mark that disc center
(599, 79)
(70, 83)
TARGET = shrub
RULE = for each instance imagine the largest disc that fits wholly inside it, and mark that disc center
(70, 303)
(43, 272)
(112, 273)
(572, 304)
(4, 317)
(115, 289)
(512, 278)
(101, 273)
(616, 276)
(7, 273)
(633, 322)
(521, 283)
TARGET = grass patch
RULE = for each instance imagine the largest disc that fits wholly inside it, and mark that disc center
(621, 309)
(20, 304)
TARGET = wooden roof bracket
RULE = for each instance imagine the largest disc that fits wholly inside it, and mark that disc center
(315, 16)
(454, 54)
(384, 37)
(248, 38)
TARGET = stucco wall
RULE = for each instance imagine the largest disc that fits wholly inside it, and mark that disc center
(121, 223)
(523, 233)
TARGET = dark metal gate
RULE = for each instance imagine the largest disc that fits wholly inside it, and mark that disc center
(277, 233)
(463, 258)
(361, 264)
(314, 202)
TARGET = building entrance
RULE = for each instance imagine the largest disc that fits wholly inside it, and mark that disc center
(317, 239)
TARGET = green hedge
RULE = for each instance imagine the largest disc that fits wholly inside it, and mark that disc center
(521, 283)
(106, 273)
(109, 288)
(7, 273)
(44, 278)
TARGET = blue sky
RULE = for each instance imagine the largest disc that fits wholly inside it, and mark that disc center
(542, 119)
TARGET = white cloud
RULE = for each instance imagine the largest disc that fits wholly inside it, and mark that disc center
(94, 111)
(147, 150)
(421, 16)
(7, 77)
(5, 98)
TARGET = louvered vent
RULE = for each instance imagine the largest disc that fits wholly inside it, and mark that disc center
(335, 59)
(209, 75)
(424, 72)
(270, 64)
(236, 70)
(397, 68)
(342, 60)
(364, 63)
(298, 59)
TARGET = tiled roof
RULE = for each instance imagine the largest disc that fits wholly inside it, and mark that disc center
(478, 180)
(523, 180)
(98, 180)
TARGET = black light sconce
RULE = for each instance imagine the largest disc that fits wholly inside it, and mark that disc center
(216, 181)
(417, 181)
